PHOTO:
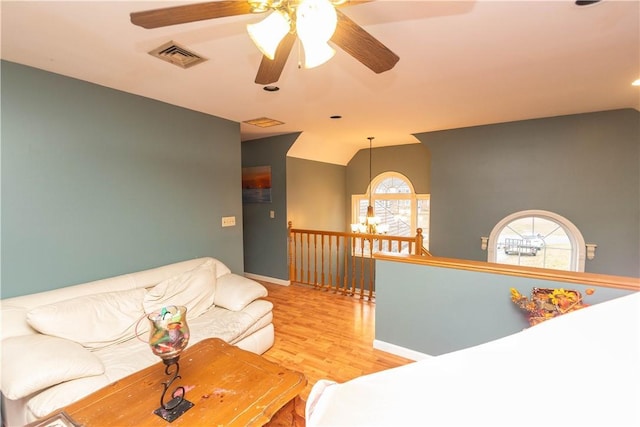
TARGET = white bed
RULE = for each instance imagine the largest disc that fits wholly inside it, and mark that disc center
(580, 369)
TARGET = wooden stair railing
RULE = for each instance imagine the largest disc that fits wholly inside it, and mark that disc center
(343, 262)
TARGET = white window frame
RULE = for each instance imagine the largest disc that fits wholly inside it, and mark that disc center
(412, 196)
(578, 247)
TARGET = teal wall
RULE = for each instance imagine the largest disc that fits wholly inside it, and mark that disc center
(411, 160)
(436, 310)
(97, 182)
(315, 200)
(265, 238)
(315, 195)
(584, 167)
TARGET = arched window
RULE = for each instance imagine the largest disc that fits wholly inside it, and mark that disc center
(399, 209)
(537, 238)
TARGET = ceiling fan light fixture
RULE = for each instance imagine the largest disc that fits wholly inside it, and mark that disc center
(268, 33)
(260, 6)
(316, 21)
(316, 54)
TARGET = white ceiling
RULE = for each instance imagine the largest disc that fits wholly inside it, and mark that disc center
(462, 63)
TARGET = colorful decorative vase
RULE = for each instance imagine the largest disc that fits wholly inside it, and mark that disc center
(169, 333)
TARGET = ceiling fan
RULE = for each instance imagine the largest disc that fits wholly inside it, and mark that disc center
(313, 21)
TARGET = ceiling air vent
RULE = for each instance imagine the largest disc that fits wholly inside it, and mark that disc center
(178, 55)
(264, 122)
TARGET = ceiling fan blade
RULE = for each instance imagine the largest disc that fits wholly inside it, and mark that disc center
(270, 70)
(189, 13)
(358, 43)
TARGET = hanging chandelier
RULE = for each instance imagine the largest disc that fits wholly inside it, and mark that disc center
(313, 21)
(370, 214)
(370, 224)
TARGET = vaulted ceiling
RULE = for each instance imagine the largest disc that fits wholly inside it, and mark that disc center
(462, 63)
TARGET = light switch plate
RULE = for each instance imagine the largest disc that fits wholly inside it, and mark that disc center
(228, 221)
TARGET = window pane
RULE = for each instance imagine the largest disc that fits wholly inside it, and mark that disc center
(399, 211)
(423, 219)
(535, 242)
(362, 209)
(396, 214)
(392, 185)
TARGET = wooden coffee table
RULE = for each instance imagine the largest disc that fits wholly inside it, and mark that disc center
(228, 387)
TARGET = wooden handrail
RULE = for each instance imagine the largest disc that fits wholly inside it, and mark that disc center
(590, 279)
(338, 260)
(414, 242)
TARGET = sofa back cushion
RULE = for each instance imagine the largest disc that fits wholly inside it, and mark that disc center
(13, 310)
(236, 292)
(95, 321)
(107, 318)
(14, 321)
(194, 289)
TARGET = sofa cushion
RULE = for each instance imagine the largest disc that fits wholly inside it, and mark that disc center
(221, 268)
(95, 321)
(194, 289)
(63, 394)
(234, 292)
(13, 320)
(57, 360)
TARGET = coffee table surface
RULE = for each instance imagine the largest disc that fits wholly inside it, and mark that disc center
(228, 386)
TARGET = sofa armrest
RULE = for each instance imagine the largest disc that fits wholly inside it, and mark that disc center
(234, 292)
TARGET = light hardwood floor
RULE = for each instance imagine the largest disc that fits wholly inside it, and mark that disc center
(325, 335)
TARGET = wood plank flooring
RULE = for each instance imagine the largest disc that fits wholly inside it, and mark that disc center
(325, 335)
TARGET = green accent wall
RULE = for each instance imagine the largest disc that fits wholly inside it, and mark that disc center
(584, 167)
(315, 195)
(411, 160)
(265, 238)
(97, 182)
(315, 200)
(437, 310)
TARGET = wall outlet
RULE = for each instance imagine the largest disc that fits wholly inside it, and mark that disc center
(272, 214)
(228, 221)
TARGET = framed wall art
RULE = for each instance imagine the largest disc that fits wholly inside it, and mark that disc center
(256, 184)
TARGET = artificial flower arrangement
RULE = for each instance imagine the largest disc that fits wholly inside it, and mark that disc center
(546, 303)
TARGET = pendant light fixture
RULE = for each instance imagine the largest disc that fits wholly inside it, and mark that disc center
(370, 214)
(370, 223)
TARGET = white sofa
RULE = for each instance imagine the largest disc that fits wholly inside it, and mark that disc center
(61, 345)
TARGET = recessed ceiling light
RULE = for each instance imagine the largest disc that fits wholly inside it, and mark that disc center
(271, 88)
(335, 117)
(636, 83)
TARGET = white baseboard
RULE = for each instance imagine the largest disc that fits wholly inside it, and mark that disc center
(400, 351)
(268, 279)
